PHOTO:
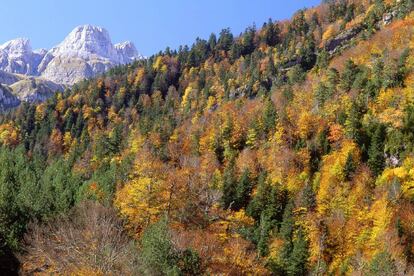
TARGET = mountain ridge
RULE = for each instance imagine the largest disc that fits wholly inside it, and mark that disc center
(287, 150)
(86, 51)
(90, 45)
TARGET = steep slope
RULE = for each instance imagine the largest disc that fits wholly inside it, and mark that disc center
(285, 151)
(16, 56)
(8, 78)
(7, 99)
(35, 89)
(27, 88)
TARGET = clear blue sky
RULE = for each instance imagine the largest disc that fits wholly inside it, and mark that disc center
(152, 25)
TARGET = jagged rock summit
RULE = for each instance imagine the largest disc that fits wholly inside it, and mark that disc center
(85, 41)
(16, 56)
(84, 53)
(88, 40)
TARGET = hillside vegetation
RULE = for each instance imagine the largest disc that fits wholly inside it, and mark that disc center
(287, 150)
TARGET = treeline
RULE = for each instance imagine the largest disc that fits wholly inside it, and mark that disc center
(263, 153)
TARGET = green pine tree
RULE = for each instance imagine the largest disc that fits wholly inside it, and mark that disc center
(157, 255)
(269, 116)
(349, 167)
(349, 75)
(243, 191)
(299, 256)
(376, 159)
(229, 186)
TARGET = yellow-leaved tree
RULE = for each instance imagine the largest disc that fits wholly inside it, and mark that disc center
(144, 197)
(9, 134)
(403, 175)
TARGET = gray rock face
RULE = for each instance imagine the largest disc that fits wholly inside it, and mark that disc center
(127, 52)
(7, 99)
(33, 76)
(9, 78)
(85, 52)
(16, 56)
(344, 37)
(69, 70)
(35, 89)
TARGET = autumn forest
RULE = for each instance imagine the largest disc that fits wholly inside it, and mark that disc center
(285, 150)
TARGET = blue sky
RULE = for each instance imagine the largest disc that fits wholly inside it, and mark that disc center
(152, 25)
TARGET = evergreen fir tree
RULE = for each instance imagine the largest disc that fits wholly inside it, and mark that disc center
(229, 185)
(286, 233)
(212, 42)
(376, 159)
(309, 197)
(349, 167)
(269, 116)
(259, 201)
(349, 75)
(243, 190)
(299, 256)
(225, 40)
(264, 228)
(322, 60)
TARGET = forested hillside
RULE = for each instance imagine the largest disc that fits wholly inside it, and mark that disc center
(285, 150)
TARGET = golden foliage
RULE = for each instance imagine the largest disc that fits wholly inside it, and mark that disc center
(9, 134)
(329, 194)
(404, 175)
(144, 198)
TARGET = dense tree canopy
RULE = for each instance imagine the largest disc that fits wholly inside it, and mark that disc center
(286, 150)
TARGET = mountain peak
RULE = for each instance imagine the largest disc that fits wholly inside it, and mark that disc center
(126, 44)
(89, 27)
(16, 56)
(127, 51)
(17, 46)
(89, 31)
(85, 40)
(85, 52)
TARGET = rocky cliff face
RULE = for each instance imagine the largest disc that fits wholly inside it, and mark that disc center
(36, 75)
(16, 56)
(85, 52)
(9, 78)
(7, 99)
(35, 89)
(127, 52)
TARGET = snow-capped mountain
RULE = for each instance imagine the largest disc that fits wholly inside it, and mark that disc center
(34, 75)
(84, 53)
(86, 41)
(16, 56)
(127, 52)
